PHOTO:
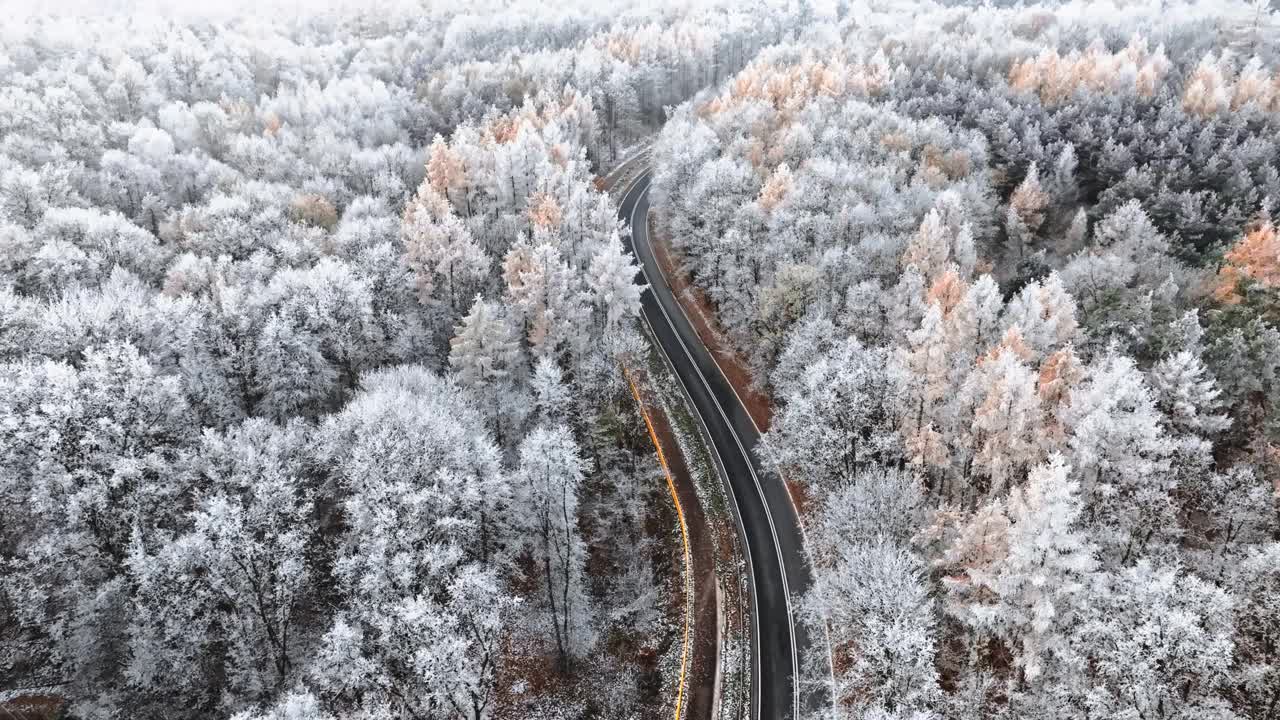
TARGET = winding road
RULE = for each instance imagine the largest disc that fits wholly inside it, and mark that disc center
(778, 570)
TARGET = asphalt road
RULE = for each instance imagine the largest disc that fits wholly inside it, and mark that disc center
(774, 542)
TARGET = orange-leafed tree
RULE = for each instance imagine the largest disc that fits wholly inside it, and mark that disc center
(930, 247)
(1056, 77)
(544, 211)
(445, 170)
(775, 189)
(947, 291)
(1254, 259)
(1060, 373)
(447, 262)
(1007, 419)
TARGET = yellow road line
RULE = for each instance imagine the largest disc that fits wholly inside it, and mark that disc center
(684, 534)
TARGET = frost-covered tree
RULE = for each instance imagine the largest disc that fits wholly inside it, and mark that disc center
(447, 262)
(870, 591)
(1157, 641)
(1187, 395)
(236, 584)
(550, 474)
(1056, 228)
(1007, 435)
(91, 465)
(543, 289)
(427, 517)
(1121, 452)
(950, 242)
(293, 377)
(612, 282)
(1031, 592)
(837, 418)
(484, 348)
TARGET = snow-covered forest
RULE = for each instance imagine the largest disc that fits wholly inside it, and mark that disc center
(1012, 278)
(313, 329)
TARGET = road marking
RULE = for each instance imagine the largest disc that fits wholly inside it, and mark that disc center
(684, 536)
(777, 546)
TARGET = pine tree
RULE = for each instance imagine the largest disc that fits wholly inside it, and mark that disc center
(1006, 423)
(930, 247)
(1025, 570)
(551, 399)
(1187, 395)
(612, 279)
(545, 290)
(484, 349)
(926, 367)
(1121, 453)
(1026, 213)
(446, 260)
(551, 471)
(974, 325)
(1045, 315)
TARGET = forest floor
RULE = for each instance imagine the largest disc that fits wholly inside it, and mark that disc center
(730, 569)
(31, 706)
(702, 614)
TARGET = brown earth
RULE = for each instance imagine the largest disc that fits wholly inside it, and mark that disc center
(703, 659)
(32, 707)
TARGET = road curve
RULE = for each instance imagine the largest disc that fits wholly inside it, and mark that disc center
(778, 569)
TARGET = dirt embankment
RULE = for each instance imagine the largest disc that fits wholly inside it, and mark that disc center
(702, 652)
(703, 318)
